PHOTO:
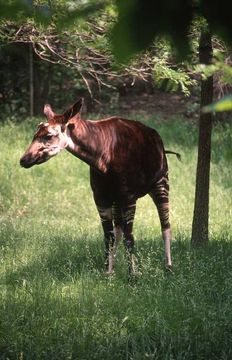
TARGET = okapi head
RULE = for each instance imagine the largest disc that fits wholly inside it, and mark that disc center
(50, 137)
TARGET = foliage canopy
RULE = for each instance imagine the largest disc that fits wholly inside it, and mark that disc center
(138, 22)
(84, 35)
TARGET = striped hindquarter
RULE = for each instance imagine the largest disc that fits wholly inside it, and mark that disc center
(160, 196)
(116, 221)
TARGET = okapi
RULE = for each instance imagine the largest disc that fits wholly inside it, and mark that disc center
(127, 161)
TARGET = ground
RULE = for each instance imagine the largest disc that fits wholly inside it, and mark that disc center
(164, 105)
(160, 104)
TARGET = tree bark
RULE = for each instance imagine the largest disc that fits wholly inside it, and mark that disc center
(200, 232)
(31, 79)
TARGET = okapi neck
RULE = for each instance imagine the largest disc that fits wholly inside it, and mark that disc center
(86, 143)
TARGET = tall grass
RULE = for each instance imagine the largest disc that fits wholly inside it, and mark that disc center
(56, 303)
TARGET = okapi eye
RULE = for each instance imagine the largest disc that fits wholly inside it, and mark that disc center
(71, 127)
(63, 127)
(47, 137)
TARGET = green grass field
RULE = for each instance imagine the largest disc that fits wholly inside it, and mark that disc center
(55, 301)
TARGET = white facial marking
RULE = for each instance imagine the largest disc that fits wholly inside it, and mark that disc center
(69, 143)
(53, 131)
(54, 150)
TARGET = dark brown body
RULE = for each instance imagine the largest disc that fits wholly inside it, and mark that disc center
(134, 160)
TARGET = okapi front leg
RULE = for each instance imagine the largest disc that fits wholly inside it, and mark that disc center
(109, 238)
(128, 220)
(118, 223)
(160, 195)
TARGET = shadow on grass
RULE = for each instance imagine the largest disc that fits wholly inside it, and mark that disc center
(57, 314)
(184, 316)
(66, 260)
(62, 260)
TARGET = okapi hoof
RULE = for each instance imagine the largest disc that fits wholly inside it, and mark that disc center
(136, 274)
(168, 269)
(133, 277)
(109, 273)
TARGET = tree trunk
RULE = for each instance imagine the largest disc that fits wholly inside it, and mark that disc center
(31, 80)
(200, 233)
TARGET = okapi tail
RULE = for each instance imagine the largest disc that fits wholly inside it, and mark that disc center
(174, 153)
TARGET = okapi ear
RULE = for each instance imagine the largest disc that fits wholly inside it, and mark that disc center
(75, 110)
(48, 111)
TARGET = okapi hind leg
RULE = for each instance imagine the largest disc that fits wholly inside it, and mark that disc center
(106, 217)
(160, 196)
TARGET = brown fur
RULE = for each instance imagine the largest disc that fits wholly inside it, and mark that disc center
(128, 158)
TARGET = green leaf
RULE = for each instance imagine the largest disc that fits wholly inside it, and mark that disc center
(141, 21)
(13, 9)
(22, 10)
(224, 104)
(81, 12)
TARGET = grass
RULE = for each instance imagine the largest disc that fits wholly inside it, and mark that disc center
(56, 303)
